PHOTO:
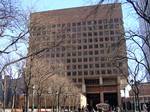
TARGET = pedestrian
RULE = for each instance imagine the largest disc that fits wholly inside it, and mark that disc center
(145, 107)
(118, 109)
(148, 107)
(79, 109)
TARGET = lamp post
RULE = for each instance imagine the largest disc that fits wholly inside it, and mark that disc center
(57, 101)
(125, 106)
(33, 92)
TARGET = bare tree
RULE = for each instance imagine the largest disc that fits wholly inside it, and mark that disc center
(61, 92)
(138, 46)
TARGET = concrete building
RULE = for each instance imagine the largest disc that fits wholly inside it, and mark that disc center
(145, 31)
(85, 40)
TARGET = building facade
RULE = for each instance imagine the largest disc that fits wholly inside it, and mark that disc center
(86, 41)
(145, 31)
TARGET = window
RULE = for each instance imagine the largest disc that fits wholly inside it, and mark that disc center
(85, 47)
(90, 28)
(91, 65)
(74, 80)
(96, 46)
(103, 71)
(111, 26)
(79, 41)
(89, 22)
(96, 59)
(94, 27)
(97, 65)
(79, 72)
(94, 22)
(79, 59)
(85, 72)
(68, 54)
(90, 40)
(100, 27)
(68, 67)
(116, 20)
(78, 29)
(53, 25)
(100, 33)
(73, 24)
(115, 71)
(85, 53)
(84, 34)
(106, 32)
(85, 66)
(89, 34)
(85, 40)
(97, 72)
(85, 59)
(79, 23)
(100, 39)
(103, 59)
(79, 80)
(105, 21)
(84, 28)
(57, 55)
(106, 39)
(74, 54)
(109, 71)
(79, 47)
(112, 38)
(68, 73)
(73, 60)
(100, 21)
(74, 73)
(83, 23)
(111, 32)
(74, 66)
(102, 51)
(62, 55)
(79, 53)
(96, 52)
(101, 45)
(95, 39)
(91, 81)
(120, 64)
(91, 72)
(68, 60)
(102, 65)
(79, 66)
(108, 65)
(105, 26)
(90, 46)
(95, 33)
(90, 59)
(90, 52)
(52, 55)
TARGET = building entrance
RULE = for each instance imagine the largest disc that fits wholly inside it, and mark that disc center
(93, 99)
(111, 99)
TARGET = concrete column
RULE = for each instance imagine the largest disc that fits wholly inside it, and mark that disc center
(100, 80)
(102, 97)
(118, 91)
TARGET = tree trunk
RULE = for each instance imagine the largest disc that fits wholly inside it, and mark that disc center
(26, 108)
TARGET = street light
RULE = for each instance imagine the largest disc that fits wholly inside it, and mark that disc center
(125, 106)
(33, 92)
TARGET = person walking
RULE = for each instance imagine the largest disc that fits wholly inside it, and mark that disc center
(148, 107)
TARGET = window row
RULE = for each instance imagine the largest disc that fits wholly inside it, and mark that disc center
(81, 23)
(91, 66)
(92, 72)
